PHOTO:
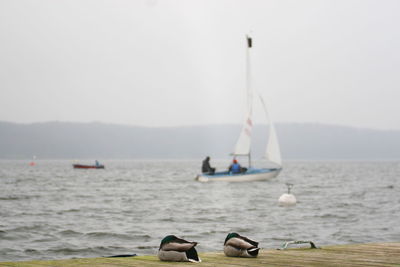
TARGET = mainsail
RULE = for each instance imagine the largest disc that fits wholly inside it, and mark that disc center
(243, 144)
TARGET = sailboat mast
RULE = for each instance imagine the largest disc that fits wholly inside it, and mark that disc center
(243, 144)
(248, 83)
(248, 74)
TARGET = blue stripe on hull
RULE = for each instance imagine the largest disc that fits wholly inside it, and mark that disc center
(248, 172)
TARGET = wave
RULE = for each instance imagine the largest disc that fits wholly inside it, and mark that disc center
(107, 235)
(19, 197)
(97, 250)
(70, 233)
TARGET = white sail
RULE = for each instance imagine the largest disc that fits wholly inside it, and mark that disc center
(273, 151)
(244, 142)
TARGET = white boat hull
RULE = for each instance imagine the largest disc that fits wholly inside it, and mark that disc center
(250, 175)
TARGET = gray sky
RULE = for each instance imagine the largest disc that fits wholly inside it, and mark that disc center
(170, 63)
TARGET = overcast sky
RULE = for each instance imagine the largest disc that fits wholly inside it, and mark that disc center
(182, 62)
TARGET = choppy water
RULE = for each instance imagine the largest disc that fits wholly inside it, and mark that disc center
(52, 211)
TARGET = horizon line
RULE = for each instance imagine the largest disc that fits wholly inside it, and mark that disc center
(199, 125)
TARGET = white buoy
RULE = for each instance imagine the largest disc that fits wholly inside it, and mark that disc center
(287, 199)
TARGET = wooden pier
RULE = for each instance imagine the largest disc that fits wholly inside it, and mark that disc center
(374, 254)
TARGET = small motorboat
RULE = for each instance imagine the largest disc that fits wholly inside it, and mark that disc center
(82, 166)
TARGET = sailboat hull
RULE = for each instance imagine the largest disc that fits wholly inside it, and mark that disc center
(251, 174)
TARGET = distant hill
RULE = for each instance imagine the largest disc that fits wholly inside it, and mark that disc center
(57, 140)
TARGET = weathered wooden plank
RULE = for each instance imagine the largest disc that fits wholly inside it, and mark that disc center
(373, 255)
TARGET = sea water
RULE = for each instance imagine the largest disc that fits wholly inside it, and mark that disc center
(52, 211)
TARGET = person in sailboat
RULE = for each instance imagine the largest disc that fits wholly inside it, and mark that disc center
(206, 167)
(235, 167)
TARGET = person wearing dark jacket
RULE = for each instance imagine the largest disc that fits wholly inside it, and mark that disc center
(206, 167)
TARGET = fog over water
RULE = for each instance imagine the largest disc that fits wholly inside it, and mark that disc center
(60, 140)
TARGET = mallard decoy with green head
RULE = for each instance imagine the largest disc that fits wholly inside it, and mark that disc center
(173, 248)
(239, 246)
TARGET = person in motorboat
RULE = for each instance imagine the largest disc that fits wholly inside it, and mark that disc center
(235, 167)
(206, 167)
(97, 163)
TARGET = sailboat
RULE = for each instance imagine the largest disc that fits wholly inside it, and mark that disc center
(243, 145)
